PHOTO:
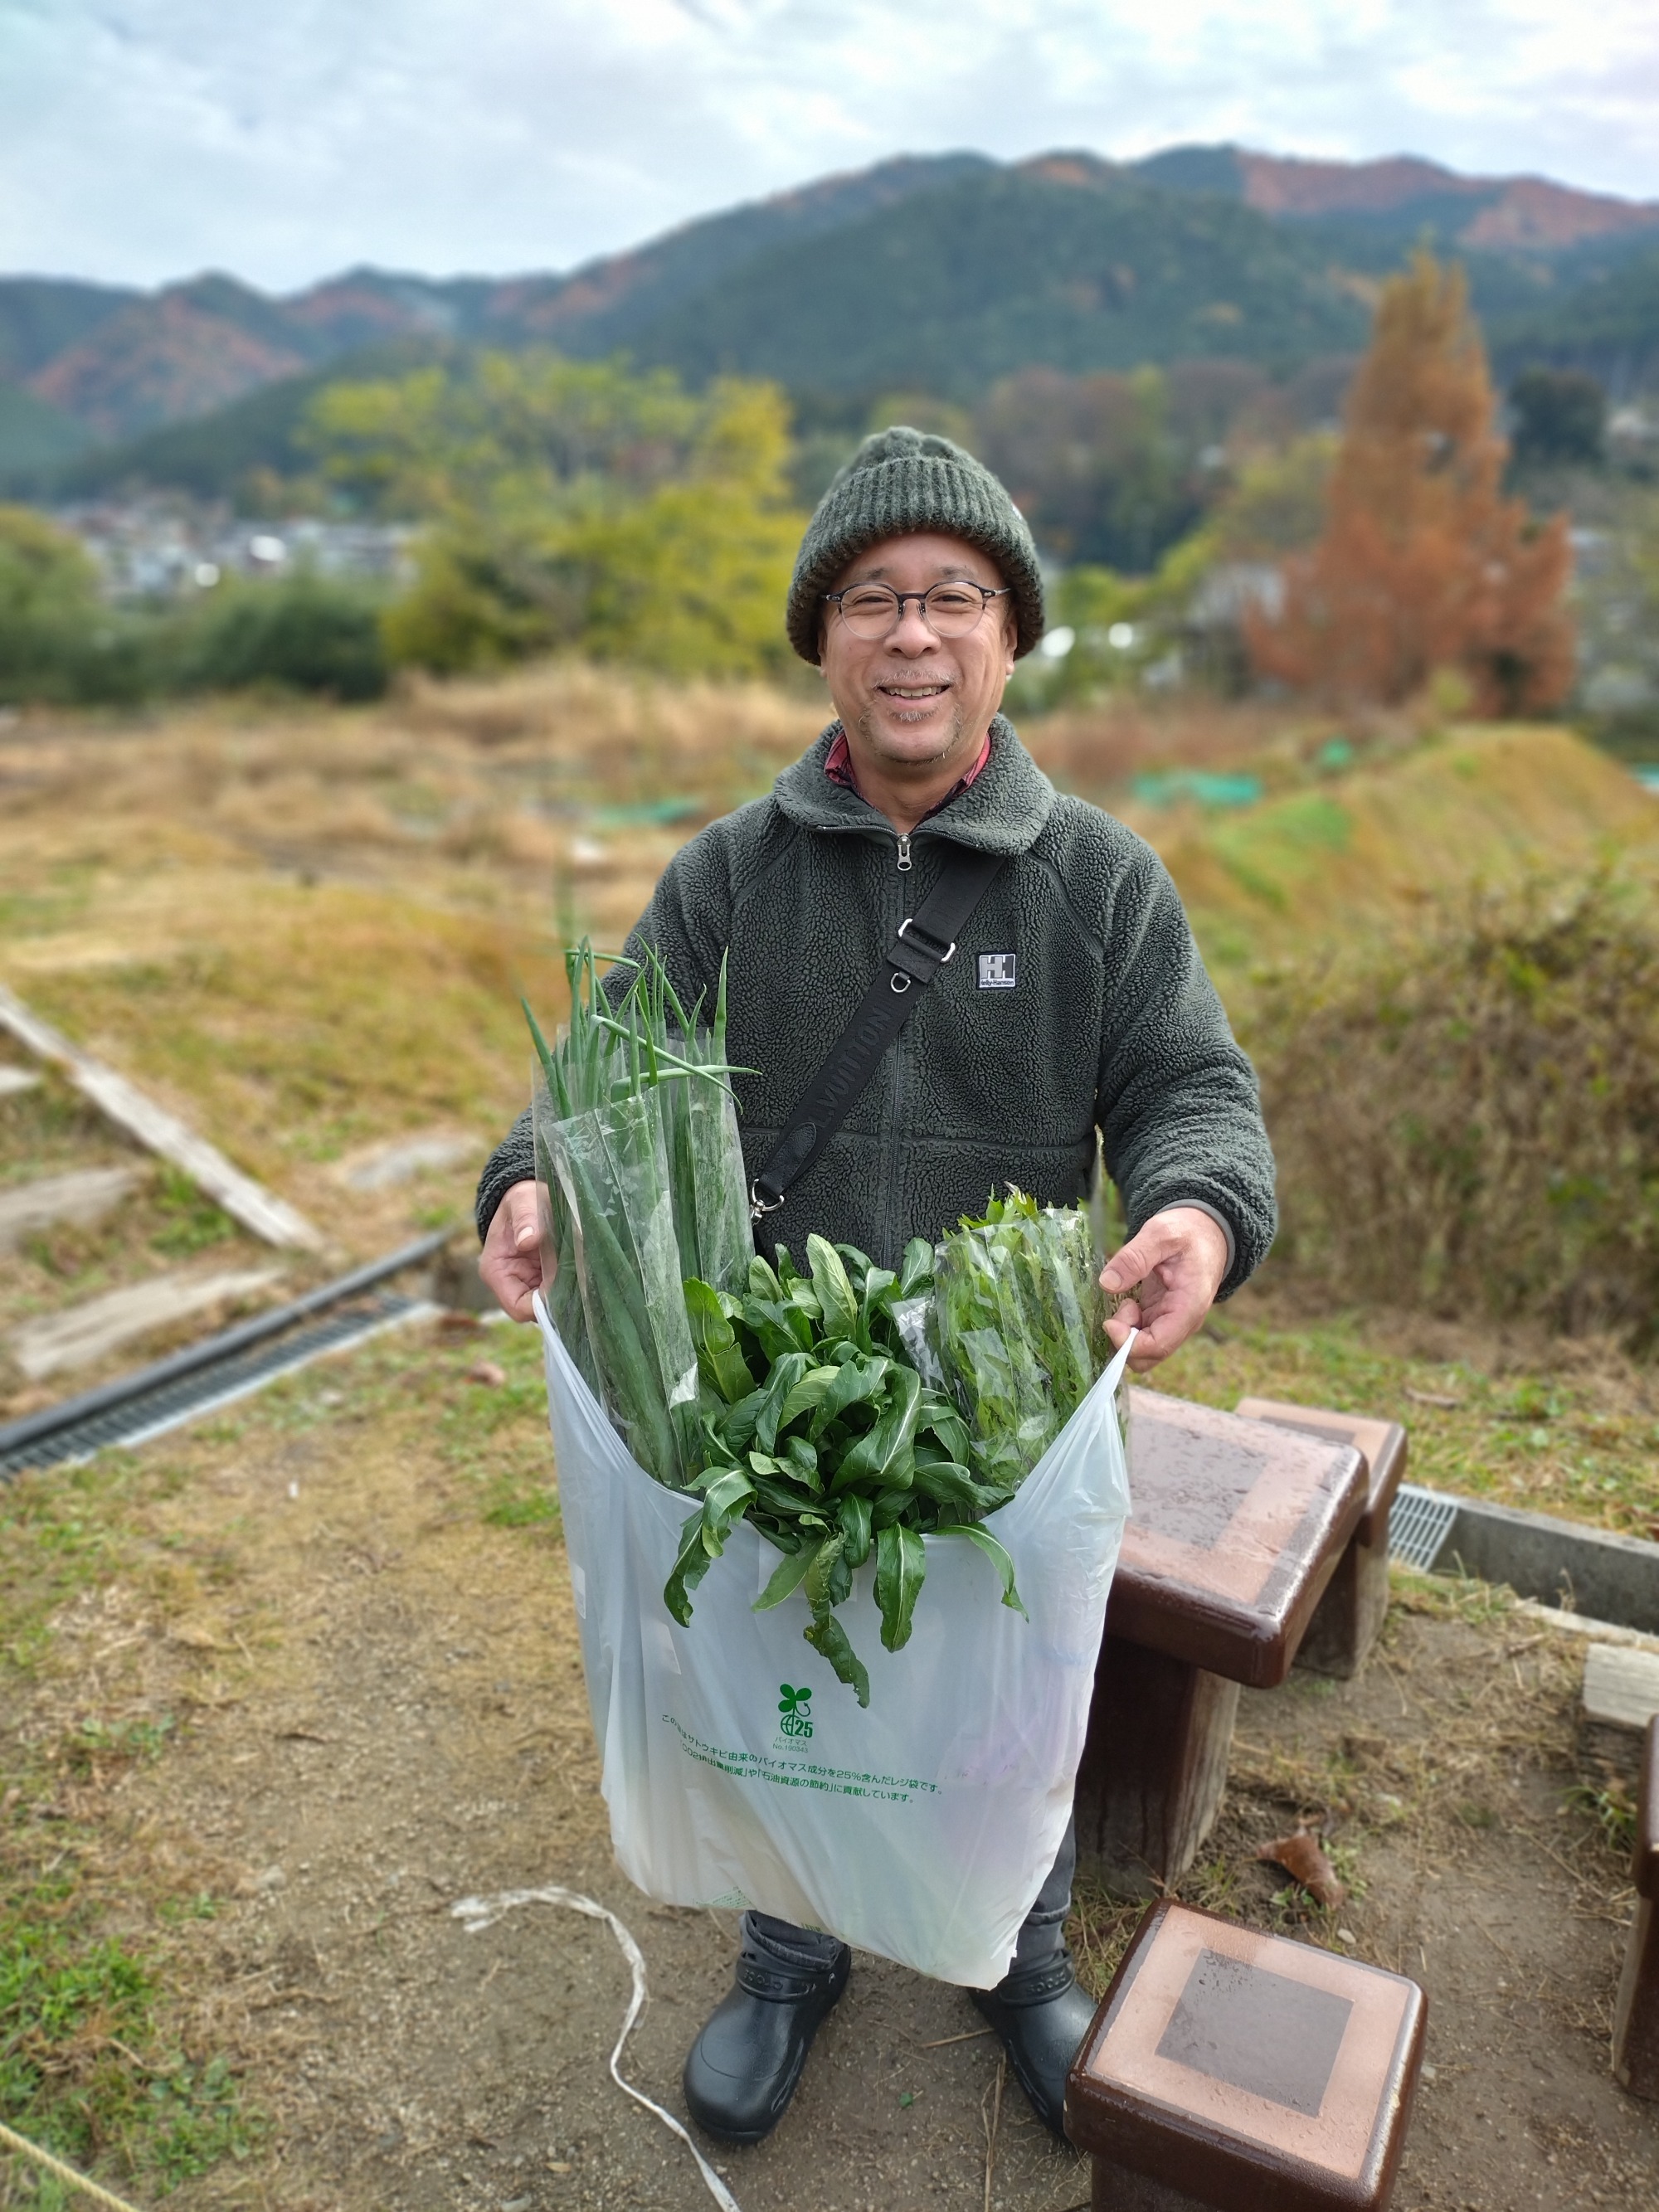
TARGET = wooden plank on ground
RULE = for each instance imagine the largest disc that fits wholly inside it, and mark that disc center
(378, 1167)
(245, 1200)
(85, 1195)
(1621, 1696)
(86, 1331)
(1621, 1688)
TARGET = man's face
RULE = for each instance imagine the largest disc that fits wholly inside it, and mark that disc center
(913, 698)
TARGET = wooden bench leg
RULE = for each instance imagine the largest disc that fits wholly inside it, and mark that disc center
(1636, 2014)
(1349, 1617)
(1154, 1767)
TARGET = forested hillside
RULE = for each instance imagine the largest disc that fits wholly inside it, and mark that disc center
(937, 274)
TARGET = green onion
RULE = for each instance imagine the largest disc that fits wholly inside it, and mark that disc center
(637, 1148)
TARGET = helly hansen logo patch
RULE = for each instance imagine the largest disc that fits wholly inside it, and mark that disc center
(996, 971)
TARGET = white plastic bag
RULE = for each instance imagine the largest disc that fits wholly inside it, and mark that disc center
(739, 1771)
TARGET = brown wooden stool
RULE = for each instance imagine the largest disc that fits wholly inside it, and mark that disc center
(1636, 2015)
(1228, 2071)
(1235, 1530)
(1356, 1603)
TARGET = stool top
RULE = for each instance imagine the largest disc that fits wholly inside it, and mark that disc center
(1646, 1870)
(1235, 1528)
(1232, 2064)
(1381, 1444)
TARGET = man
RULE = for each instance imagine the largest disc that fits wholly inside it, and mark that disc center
(1076, 1001)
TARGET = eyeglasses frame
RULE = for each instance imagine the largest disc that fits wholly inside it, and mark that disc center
(955, 583)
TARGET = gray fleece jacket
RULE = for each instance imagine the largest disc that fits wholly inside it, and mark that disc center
(1077, 1002)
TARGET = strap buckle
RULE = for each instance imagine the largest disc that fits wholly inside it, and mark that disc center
(759, 1205)
(928, 943)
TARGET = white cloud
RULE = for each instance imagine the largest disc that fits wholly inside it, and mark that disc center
(140, 139)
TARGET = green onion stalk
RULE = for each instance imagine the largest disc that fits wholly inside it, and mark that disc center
(637, 1148)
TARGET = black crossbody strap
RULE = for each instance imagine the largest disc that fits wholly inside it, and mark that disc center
(926, 940)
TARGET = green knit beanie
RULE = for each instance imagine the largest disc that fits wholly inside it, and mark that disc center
(899, 481)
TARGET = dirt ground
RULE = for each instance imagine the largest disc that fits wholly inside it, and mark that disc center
(378, 1709)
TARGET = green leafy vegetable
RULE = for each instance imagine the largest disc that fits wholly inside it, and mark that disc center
(841, 1451)
(901, 1564)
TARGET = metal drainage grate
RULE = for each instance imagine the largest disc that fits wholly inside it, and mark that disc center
(172, 1401)
(1419, 1525)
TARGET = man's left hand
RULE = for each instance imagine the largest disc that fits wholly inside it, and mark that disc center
(1173, 1265)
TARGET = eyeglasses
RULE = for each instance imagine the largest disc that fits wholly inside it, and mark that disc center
(950, 610)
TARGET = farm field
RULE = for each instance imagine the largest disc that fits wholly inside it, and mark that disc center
(278, 1689)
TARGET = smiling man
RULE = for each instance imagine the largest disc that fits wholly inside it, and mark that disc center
(1073, 1011)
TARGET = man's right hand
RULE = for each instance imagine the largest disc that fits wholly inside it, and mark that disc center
(511, 1261)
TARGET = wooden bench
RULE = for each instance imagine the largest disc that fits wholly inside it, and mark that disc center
(1236, 1529)
(1636, 2014)
(1350, 1615)
(1227, 2071)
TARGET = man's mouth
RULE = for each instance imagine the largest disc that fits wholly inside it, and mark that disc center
(913, 690)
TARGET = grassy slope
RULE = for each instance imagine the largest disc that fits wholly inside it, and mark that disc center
(1345, 856)
(1568, 1429)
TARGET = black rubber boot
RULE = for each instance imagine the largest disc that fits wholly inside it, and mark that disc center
(742, 2070)
(1040, 2019)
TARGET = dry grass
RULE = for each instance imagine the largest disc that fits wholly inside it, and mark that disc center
(1099, 748)
(307, 930)
(1471, 1116)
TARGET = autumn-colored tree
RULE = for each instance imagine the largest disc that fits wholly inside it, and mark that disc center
(1423, 565)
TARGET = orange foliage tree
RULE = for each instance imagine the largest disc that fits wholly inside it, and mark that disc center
(1423, 564)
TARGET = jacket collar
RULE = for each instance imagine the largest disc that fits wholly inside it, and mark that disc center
(1002, 811)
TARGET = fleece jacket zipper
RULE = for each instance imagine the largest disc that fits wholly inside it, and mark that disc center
(889, 1150)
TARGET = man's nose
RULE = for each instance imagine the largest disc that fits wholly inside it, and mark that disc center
(910, 633)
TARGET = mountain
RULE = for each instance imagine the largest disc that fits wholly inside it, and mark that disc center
(611, 303)
(1406, 196)
(1608, 323)
(190, 350)
(212, 456)
(42, 317)
(124, 363)
(937, 273)
(1065, 261)
(35, 439)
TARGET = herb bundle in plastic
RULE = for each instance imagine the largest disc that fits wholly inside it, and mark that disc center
(637, 1148)
(1017, 1319)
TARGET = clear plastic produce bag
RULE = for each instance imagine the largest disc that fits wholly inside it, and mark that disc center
(612, 1170)
(1016, 1317)
(737, 1771)
(706, 1170)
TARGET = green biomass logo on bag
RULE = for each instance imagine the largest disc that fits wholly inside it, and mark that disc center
(793, 1704)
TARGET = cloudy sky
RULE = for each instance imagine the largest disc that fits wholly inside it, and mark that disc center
(285, 139)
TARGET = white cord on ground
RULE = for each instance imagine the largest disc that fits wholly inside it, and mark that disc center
(480, 1912)
(24, 2149)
